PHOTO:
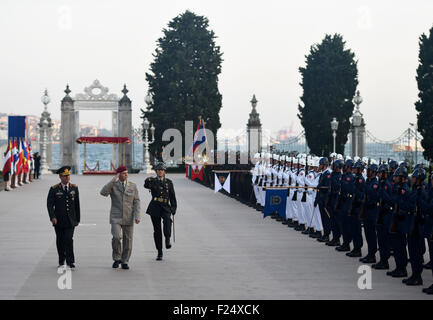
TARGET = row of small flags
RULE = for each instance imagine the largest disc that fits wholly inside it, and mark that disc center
(18, 157)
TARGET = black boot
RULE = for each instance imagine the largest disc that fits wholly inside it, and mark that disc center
(414, 281)
(397, 273)
(323, 238)
(159, 256)
(306, 231)
(167, 243)
(381, 265)
(355, 253)
(300, 227)
(316, 235)
(428, 266)
(368, 259)
(333, 243)
(345, 247)
(428, 290)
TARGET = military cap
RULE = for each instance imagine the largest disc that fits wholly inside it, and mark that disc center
(64, 171)
(160, 166)
(121, 169)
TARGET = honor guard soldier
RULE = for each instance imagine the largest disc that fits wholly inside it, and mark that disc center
(336, 177)
(370, 212)
(63, 205)
(161, 207)
(344, 206)
(428, 227)
(399, 225)
(415, 237)
(386, 210)
(358, 201)
(324, 188)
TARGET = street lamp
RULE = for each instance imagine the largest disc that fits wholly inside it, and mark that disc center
(147, 167)
(415, 127)
(334, 127)
(356, 120)
(43, 125)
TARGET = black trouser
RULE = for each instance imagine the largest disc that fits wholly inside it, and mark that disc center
(356, 230)
(326, 220)
(335, 219)
(399, 242)
(414, 244)
(37, 169)
(383, 237)
(157, 233)
(65, 246)
(370, 232)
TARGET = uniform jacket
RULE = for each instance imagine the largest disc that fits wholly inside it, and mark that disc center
(163, 202)
(64, 206)
(324, 188)
(372, 200)
(125, 202)
(406, 205)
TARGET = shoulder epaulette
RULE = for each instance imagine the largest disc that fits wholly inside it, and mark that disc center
(55, 186)
(74, 185)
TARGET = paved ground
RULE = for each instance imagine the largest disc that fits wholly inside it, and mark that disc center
(223, 250)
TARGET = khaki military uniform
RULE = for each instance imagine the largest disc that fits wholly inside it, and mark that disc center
(125, 208)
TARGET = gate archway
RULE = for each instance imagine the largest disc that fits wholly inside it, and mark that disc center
(95, 97)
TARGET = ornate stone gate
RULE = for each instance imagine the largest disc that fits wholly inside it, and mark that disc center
(95, 97)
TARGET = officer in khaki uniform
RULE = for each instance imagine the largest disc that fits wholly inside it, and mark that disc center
(162, 206)
(63, 203)
(125, 208)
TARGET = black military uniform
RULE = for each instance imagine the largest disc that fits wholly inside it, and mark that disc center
(162, 206)
(63, 204)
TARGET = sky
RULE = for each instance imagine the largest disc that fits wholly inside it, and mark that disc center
(51, 43)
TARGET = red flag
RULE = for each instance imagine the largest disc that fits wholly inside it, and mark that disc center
(7, 164)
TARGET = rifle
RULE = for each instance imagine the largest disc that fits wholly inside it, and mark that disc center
(295, 194)
(304, 195)
(381, 214)
(417, 216)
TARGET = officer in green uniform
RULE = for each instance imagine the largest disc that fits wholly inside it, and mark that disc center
(161, 207)
(63, 205)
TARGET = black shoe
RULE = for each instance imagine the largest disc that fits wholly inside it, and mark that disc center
(368, 259)
(167, 244)
(71, 266)
(285, 222)
(397, 273)
(428, 266)
(343, 248)
(61, 264)
(116, 264)
(428, 290)
(381, 265)
(301, 227)
(316, 235)
(159, 256)
(333, 243)
(355, 253)
(414, 281)
(125, 266)
(323, 239)
(306, 231)
(292, 224)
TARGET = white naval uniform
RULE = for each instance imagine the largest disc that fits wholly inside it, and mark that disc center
(301, 207)
(310, 182)
(293, 204)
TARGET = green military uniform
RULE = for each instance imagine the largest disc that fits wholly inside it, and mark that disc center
(63, 204)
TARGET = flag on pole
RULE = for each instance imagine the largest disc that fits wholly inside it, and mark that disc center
(276, 200)
(222, 181)
(7, 163)
(16, 157)
(25, 156)
(199, 138)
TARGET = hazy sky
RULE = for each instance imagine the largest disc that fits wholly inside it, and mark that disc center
(48, 43)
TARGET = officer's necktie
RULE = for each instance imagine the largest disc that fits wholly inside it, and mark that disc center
(66, 189)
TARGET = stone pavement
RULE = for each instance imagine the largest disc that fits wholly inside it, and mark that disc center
(223, 250)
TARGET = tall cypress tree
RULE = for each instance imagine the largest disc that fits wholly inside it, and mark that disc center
(183, 80)
(329, 81)
(424, 105)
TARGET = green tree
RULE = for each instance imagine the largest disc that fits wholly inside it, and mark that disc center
(424, 105)
(329, 81)
(183, 80)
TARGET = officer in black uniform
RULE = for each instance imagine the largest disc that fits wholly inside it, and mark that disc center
(63, 205)
(161, 207)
